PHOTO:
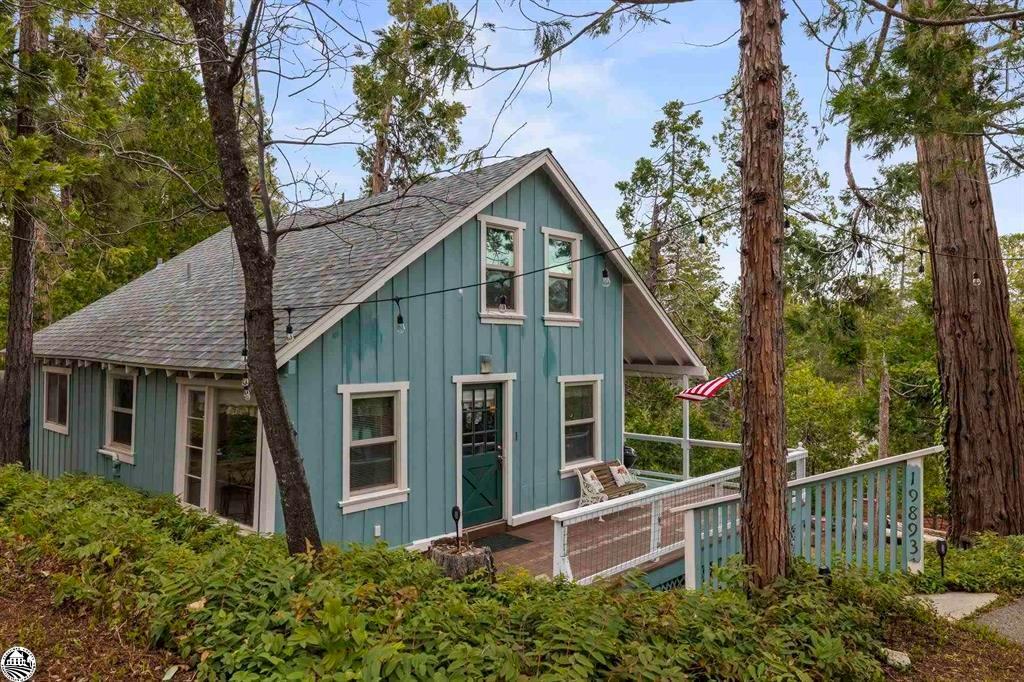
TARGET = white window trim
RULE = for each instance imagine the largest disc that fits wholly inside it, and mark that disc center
(397, 493)
(568, 470)
(114, 450)
(263, 502)
(517, 314)
(56, 427)
(574, 318)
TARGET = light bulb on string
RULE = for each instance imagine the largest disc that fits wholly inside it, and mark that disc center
(606, 280)
(976, 279)
(289, 331)
(920, 265)
(459, 292)
(700, 231)
(246, 388)
(399, 321)
(503, 303)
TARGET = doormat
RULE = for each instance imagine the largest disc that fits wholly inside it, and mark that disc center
(501, 541)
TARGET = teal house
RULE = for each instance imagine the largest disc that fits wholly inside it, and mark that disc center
(462, 343)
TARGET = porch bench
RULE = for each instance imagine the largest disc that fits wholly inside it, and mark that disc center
(612, 490)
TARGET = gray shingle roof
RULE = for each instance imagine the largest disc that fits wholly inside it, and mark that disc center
(188, 312)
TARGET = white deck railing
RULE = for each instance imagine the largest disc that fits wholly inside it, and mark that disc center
(610, 537)
(685, 446)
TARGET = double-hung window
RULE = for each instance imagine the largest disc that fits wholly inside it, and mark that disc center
(56, 381)
(581, 420)
(501, 269)
(373, 445)
(121, 414)
(561, 277)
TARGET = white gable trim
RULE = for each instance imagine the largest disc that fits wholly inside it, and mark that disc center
(684, 354)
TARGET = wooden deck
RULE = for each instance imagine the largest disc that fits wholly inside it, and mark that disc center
(600, 544)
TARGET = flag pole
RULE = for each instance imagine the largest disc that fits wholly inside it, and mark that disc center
(686, 429)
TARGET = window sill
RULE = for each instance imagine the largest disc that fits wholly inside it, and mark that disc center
(569, 470)
(117, 455)
(381, 498)
(562, 321)
(491, 317)
(56, 428)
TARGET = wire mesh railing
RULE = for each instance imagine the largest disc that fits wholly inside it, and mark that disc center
(611, 537)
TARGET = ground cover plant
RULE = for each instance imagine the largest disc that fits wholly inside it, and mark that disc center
(992, 564)
(237, 606)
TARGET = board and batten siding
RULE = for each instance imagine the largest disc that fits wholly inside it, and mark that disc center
(156, 406)
(446, 338)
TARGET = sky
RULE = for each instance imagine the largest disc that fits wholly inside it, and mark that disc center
(595, 108)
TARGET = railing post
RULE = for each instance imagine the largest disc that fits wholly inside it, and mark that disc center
(690, 549)
(913, 534)
(560, 552)
(801, 464)
(656, 507)
(686, 430)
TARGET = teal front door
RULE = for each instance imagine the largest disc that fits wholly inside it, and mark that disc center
(482, 457)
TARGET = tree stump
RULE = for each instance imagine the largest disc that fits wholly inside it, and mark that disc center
(459, 562)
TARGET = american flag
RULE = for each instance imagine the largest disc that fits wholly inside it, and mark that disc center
(709, 388)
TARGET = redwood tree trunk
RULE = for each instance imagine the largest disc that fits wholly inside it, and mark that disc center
(207, 18)
(984, 424)
(15, 404)
(765, 527)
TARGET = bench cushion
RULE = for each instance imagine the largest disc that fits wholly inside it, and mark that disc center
(612, 490)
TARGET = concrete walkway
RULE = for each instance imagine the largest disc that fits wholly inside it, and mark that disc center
(957, 605)
(1007, 620)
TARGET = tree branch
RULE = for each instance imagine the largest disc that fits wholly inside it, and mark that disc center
(243, 43)
(958, 21)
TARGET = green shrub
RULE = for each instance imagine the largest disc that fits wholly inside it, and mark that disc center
(992, 564)
(239, 607)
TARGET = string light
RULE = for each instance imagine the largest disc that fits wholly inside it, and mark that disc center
(289, 331)
(245, 345)
(606, 280)
(399, 321)
(503, 303)
(920, 266)
(246, 388)
(700, 234)
(976, 280)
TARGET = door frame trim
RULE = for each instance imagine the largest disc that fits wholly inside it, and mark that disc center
(507, 433)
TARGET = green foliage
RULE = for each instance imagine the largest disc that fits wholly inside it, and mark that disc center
(115, 108)
(991, 564)
(400, 94)
(238, 606)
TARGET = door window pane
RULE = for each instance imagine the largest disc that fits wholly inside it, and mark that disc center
(373, 466)
(560, 295)
(195, 417)
(579, 402)
(235, 459)
(579, 442)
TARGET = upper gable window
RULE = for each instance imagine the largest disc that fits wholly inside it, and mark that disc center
(56, 381)
(501, 269)
(561, 277)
